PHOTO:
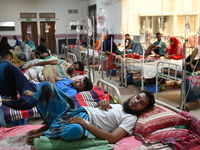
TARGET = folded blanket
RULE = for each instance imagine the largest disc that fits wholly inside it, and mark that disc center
(90, 143)
(11, 114)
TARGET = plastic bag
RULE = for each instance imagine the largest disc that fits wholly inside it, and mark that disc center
(101, 19)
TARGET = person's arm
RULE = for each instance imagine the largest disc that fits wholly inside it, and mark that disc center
(43, 63)
(130, 44)
(192, 56)
(179, 49)
(113, 137)
(53, 79)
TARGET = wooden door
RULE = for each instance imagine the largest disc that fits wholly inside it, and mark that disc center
(50, 35)
(30, 28)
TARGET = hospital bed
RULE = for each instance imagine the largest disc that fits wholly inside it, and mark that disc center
(158, 124)
(11, 114)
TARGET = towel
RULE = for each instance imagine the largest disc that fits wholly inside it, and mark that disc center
(90, 143)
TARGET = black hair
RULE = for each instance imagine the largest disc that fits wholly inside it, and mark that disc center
(42, 39)
(81, 65)
(6, 54)
(14, 36)
(4, 40)
(151, 97)
(88, 84)
(127, 34)
(158, 33)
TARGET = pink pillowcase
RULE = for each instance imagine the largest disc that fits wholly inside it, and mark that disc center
(158, 135)
(157, 118)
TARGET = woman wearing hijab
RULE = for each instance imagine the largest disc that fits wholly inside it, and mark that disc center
(107, 44)
(4, 44)
(174, 51)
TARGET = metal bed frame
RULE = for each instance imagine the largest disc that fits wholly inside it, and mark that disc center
(165, 73)
(115, 91)
(108, 87)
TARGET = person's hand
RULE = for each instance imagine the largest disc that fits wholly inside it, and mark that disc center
(80, 121)
(104, 105)
(168, 56)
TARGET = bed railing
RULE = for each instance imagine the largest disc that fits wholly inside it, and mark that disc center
(169, 71)
(111, 89)
(133, 66)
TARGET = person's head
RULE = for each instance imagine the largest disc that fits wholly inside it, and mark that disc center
(7, 56)
(28, 37)
(85, 39)
(127, 36)
(76, 66)
(158, 36)
(138, 103)
(82, 84)
(110, 36)
(42, 40)
(15, 37)
(4, 40)
(44, 55)
(173, 41)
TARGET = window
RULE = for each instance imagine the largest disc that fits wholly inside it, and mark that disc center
(7, 26)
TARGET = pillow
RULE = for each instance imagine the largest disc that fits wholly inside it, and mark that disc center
(158, 117)
(90, 98)
(158, 135)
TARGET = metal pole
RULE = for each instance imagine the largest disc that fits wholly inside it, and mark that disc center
(111, 50)
(101, 55)
(88, 43)
(93, 60)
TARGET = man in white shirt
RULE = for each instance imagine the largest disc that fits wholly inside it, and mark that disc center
(107, 121)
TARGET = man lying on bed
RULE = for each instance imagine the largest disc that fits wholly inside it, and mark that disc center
(58, 67)
(107, 121)
(12, 80)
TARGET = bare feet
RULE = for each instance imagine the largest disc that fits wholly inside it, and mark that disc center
(31, 138)
(28, 93)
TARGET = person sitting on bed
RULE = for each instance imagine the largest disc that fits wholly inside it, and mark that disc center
(41, 51)
(13, 82)
(107, 121)
(57, 67)
(128, 42)
(174, 51)
(191, 62)
(158, 48)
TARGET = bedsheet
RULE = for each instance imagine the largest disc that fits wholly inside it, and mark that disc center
(131, 143)
(150, 67)
(15, 138)
(11, 114)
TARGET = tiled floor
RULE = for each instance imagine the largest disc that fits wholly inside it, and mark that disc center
(170, 95)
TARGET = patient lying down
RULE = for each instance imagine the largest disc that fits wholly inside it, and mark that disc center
(62, 121)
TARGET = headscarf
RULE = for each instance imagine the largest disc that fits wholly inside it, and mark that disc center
(172, 49)
(107, 44)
